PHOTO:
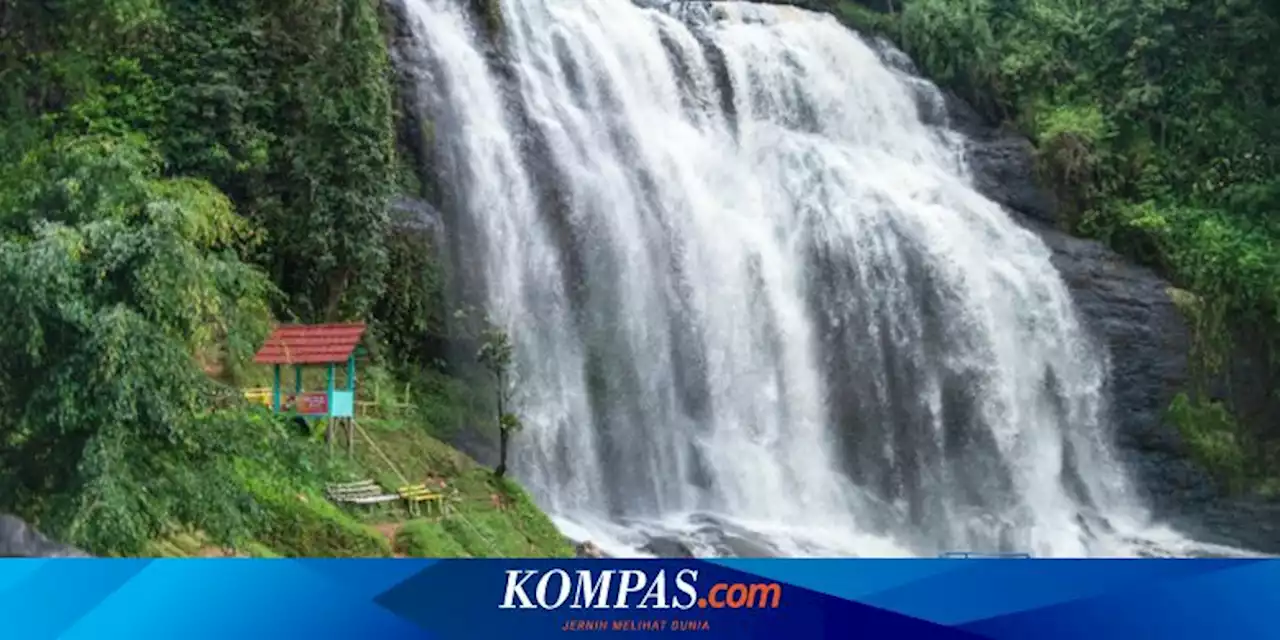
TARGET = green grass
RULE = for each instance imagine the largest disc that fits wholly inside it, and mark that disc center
(255, 549)
(298, 521)
(195, 545)
(476, 526)
(428, 539)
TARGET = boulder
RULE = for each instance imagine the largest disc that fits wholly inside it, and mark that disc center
(668, 547)
(588, 549)
(20, 540)
(415, 215)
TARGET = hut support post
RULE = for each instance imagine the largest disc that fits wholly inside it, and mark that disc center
(275, 390)
(328, 429)
(351, 421)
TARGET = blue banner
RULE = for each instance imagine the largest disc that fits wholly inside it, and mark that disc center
(482, 599)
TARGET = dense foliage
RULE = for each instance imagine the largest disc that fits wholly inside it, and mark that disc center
(285, 106)
(110, 278)
(176, 173)
(1157, 122)
(173, 175)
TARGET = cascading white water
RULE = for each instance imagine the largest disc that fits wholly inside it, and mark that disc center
(753, 293)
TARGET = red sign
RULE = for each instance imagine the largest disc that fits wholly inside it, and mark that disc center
(315, 403)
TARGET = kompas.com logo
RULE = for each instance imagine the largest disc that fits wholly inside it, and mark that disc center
(611, 589)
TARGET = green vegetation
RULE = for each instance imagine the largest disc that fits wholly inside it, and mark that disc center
(175, 176)
(424, 538)
(487, 517)
(495, 355)
(495, 517)
(1157, 123)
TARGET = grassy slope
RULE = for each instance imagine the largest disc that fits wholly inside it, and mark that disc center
(492, 518)
(304, 523)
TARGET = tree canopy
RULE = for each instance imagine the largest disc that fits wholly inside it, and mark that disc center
(112, 279)
(173, 175)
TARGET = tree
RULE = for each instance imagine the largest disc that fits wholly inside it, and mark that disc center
(111, 279)
(495, 354)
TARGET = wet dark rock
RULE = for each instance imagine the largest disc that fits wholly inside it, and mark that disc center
(1003, 163)
(668, 547)
(742, 545)
(20, 540)
(1005, 172)
(1247, 523)
(588, 549)
(418, 216)
(730, 540)
(1129, 308)
(413, 129)
(879, 6)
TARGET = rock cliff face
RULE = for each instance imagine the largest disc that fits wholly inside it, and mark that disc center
(1147, 337)
(1130, 308)
(1127, 306)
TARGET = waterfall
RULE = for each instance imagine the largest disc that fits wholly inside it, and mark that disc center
(756, 301)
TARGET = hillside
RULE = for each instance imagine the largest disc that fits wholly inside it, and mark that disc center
(174, 178)
(178, 175)
(484, 517)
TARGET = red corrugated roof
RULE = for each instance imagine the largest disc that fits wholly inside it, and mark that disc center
(310, 344)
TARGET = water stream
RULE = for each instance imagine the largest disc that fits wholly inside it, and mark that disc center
(759, 308)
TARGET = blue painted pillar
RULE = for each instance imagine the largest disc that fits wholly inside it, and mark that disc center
(297, 378)
(275, 390)
(329, 392)
(351, 373)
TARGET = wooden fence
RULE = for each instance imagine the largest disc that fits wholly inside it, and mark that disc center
(368, 407)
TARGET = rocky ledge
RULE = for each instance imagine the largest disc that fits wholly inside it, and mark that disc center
(1131, 310)
(20, 540)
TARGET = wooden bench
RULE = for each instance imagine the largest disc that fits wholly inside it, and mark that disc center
(416, 494)
(262, 396)
(362, 492)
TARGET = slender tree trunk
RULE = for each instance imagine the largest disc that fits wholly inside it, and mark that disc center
(502, 453)
(501, 470)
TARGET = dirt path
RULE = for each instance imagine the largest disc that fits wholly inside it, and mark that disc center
(219, 552)
(389, 530)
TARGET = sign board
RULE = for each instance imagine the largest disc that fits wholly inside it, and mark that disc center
(314, 403)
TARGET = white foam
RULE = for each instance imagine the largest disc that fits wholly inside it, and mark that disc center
(685, 376)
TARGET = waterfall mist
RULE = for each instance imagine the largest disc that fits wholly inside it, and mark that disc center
(758, 305)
